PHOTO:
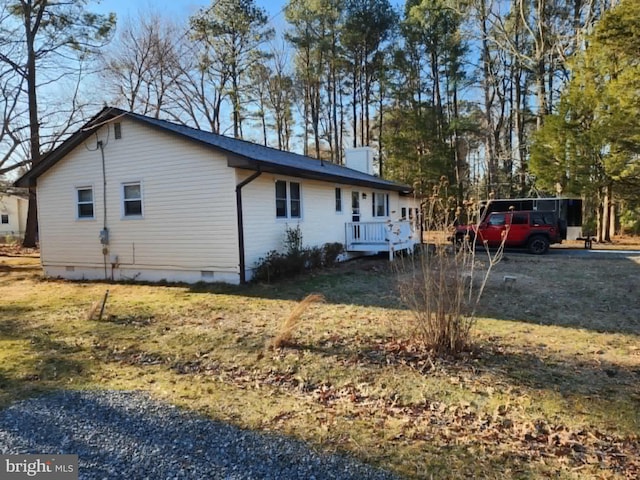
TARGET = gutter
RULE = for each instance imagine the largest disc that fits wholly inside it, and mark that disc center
(246, 181)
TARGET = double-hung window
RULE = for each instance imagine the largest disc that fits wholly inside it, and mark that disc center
(281, 199)
(84, 201)
(338, 200)
(4, 218)
(380, 205)
(288, 199)
(132, 199)
(294, 189)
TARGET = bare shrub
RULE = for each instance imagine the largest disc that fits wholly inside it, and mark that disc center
(284, 336)
(296, 258)
(438, 283)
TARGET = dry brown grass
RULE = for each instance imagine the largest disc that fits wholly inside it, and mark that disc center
(284, 337)
(550, 391)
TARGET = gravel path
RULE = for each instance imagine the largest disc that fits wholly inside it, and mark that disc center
(129, 435)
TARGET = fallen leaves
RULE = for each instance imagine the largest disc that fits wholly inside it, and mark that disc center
(506, 431)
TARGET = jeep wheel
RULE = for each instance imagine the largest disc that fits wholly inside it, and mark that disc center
(538, 244)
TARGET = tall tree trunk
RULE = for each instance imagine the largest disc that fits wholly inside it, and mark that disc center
(380, 126)
(263, 120)
(355, 105)
(307, 100)
(334, 101)
(490, 151)
(315, 112)
(31, 231)
(540, 67)
(519, 107)
(367, 101)
(612, 218)
(458, 160)
(599, 234)
(606, 211)
(437, 96)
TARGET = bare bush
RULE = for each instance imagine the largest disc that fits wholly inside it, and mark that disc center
(443, 283)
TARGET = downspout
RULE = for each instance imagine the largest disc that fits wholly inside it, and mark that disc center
(104, 234)
(239, 186)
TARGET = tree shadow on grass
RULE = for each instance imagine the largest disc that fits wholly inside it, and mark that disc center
(596, 294)
(34, 361)
(367, 281)
(609, 387)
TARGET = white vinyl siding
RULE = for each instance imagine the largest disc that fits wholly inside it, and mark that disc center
(188, 197)
(319, 224)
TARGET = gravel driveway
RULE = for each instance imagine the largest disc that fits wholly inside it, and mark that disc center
(128, 435)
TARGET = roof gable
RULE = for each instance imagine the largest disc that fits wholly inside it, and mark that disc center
(243, 154)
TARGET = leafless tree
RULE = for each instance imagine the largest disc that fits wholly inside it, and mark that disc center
(41, 42)
(143, 64)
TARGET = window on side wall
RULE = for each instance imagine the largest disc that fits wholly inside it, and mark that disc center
(380, 205)
(4, 218)
(288, 199)
(281, 199)
(84, 200)
(132, 199)
(338, 200)
(295, 200)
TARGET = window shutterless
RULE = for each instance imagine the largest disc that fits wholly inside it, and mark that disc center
(132, 199)
(296, 211)
(84, 197)
(288, 199)
(281, 199)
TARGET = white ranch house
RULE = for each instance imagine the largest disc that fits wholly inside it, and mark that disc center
(13, 215)
(129, 197)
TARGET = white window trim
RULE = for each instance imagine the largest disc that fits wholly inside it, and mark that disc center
(288, 218)
(286, 200)
(122, 200)
(386, 201)
(76, 202)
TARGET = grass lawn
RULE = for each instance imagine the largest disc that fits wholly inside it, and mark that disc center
(551, 389)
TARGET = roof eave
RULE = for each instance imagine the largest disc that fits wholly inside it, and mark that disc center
(29, 179)
(268, 167)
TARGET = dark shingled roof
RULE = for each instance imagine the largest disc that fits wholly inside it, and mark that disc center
(243, 154)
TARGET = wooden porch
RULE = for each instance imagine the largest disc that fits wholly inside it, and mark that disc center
(381, 237)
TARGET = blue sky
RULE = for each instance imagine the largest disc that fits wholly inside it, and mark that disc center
(177, 9)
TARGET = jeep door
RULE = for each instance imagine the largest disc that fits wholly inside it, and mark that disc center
(519, 229)
(493, 229)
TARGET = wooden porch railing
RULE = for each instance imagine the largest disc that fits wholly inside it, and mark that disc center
(379, 236)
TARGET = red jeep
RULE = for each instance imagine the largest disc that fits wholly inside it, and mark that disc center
(535, 230)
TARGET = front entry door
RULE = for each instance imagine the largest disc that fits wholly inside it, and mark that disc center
(355, 206)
